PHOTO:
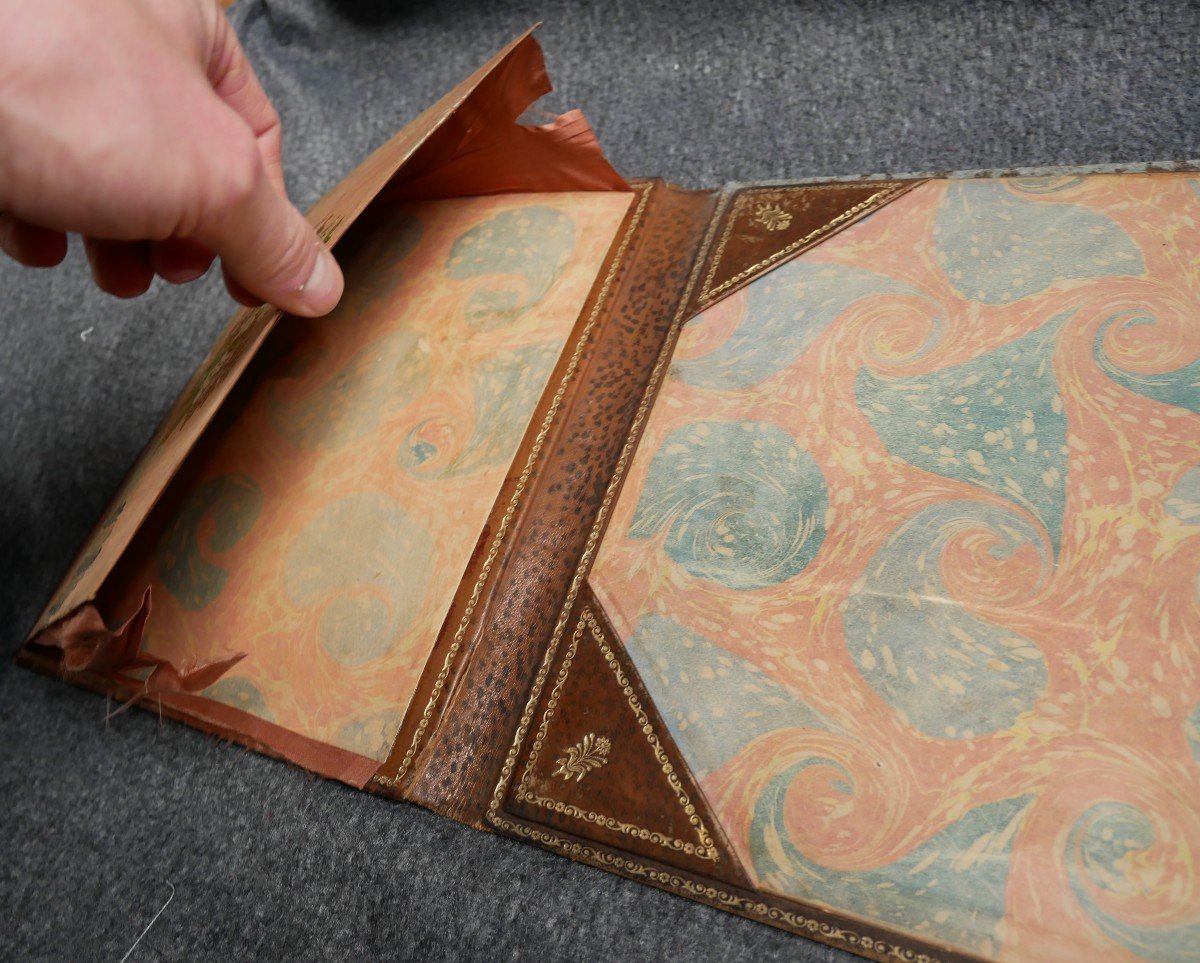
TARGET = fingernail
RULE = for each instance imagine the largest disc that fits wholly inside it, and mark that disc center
(184, 275)
(321, 292)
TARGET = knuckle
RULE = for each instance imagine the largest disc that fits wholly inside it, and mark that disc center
(236, 175)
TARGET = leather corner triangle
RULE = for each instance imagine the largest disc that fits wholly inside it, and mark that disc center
(601, 765)
(759, 228)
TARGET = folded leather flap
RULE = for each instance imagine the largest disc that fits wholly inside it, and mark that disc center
(468, 143)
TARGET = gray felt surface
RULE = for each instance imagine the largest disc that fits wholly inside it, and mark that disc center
(266, 861)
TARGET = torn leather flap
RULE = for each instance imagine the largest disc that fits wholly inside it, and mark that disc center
(483, 149)
(88, 645)
(511, 79)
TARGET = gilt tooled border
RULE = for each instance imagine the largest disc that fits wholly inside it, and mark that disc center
(502, 529)
(681, 885)
(706, 850)
(744, 197)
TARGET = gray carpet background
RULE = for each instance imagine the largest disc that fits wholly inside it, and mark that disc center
(268, 862)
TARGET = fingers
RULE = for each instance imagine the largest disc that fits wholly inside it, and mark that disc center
(239, 293)
(179, 260)
(234, 81)
(122, 268)
(268, 250)
(265, 245)
(30, 245)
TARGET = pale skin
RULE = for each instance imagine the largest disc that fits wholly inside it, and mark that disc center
(140, 125)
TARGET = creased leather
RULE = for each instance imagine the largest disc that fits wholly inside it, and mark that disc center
(88, 645)
(482, 149)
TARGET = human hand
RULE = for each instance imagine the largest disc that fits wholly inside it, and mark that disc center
(141, 125)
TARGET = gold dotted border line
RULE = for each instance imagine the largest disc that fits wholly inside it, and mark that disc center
(593, 538)
(522, 483)
(706, 850)
(707, 292)
(672, 882)
(722, 899)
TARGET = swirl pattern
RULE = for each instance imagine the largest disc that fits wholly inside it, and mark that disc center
(742, 504)
(328, 560)
(996, 421)
(1131, 349)
(971, 714)
(786, 311)
(997, 246)
(518, 253)
(215, 517)
(349, 566)
(969, 675)
(1114, 855)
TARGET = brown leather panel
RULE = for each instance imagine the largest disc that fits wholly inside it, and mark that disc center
(602, 764)
(457, 771)
(759, 228)
(815, 922)
(204, 394)
(467, 616)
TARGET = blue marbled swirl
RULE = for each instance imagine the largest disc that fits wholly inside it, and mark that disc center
(743, 504)
(714, 702)
(997, 245)
(931, 883)
(996, 421)
(946, 671)
(786, 311)
(1101, 846)
(1180, 387)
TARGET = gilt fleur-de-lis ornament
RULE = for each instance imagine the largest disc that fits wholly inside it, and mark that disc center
(772, 216)
(591, 752)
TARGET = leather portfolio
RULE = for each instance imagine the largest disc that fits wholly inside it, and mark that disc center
(826, 552)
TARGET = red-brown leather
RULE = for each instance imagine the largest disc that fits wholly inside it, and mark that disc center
(482, 150)
(639, 795)
(446, 661)
(460, 765)
(759, 228)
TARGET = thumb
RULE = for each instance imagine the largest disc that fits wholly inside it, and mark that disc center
(266, 246)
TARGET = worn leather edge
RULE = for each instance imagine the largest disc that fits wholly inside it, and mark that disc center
(455, 773)
(809, 920)
(217, 719)
(819, 923)
(469, 608)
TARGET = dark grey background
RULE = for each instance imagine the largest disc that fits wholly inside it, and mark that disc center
(269, 862)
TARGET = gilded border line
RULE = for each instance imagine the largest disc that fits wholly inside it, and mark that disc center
(720, 898)
(707, 292)
(522, 483)
(706, 850)
(681, 885)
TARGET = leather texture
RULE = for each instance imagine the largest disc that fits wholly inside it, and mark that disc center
(757, 228)
(602, 765)
(637, 840)
(483, 578)
(457, 770)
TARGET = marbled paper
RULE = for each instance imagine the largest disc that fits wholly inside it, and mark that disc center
(324, 523)
(909, 559)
